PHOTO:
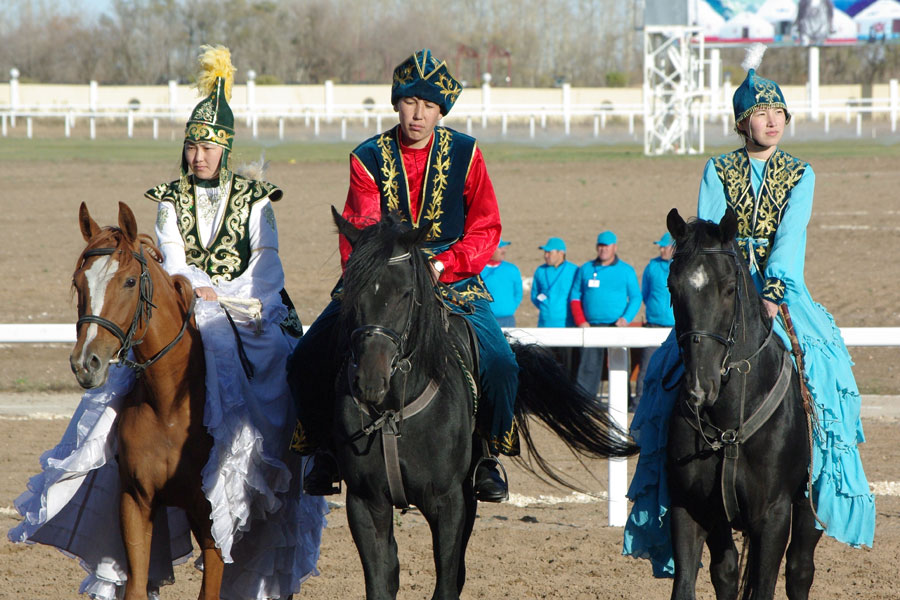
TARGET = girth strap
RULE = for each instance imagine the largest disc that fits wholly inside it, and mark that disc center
(389, 424)
(732, 439)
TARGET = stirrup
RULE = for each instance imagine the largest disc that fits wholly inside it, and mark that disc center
(503, 476)
(316, 485)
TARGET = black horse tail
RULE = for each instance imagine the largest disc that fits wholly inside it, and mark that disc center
(580, 419)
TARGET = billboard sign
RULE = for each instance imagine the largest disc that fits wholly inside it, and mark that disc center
(797, 22)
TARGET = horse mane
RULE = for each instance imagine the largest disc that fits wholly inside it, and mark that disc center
(368, 263)
(697, 231)
(114, 237)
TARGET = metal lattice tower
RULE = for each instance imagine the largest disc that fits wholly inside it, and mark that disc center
(673, 90)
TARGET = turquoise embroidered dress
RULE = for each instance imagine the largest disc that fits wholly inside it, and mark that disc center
(773, 202)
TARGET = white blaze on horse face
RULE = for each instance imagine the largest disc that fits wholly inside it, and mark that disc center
(98, 277)
(698, 278)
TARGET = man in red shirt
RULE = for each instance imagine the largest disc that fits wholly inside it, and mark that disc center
(418, 170)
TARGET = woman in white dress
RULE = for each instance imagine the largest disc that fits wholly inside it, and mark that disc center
(216, 228)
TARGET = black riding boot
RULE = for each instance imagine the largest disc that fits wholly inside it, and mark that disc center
(324, 477)
(489, 484)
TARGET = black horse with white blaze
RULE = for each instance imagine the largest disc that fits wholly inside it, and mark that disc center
(738, 449)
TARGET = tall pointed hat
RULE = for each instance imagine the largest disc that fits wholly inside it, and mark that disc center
(756, 92)
(212, 120)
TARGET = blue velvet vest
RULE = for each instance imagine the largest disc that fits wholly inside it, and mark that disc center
(442, 201)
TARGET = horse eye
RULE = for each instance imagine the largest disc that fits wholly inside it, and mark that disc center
(130, 282)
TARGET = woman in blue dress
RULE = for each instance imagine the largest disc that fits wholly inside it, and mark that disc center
(771, 192)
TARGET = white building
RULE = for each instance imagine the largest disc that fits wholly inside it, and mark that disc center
(880, 20)
(747, 26)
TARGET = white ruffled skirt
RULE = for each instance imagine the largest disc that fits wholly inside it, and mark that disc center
(269, 532)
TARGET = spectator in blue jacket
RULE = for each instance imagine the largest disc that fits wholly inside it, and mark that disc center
(550, 289)
(551, 285)
(504, 282)
(657, 302)
(605, 293)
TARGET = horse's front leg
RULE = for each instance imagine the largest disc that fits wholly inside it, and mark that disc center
(800, 567)
(723, 562)
(446, 517)
(768, 539)
(199, 511)
(371, 524)
(137, 533)
(687, 547)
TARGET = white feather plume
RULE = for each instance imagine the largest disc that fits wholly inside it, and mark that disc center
(254, 170)
(754, 56)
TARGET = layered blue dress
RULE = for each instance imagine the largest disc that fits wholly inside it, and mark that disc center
(773, 202)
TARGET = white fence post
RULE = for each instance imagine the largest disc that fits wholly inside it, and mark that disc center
(894, 101)
(567, 106)
(173, 99)
(329, 101)
(618, 411)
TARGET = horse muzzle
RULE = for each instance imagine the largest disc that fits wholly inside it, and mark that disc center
(702, 391)
(90, 370)
(369, 387)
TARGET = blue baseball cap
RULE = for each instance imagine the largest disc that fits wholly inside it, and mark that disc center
(607, 238)
(503, 243)
(665, 240)
(554, 243)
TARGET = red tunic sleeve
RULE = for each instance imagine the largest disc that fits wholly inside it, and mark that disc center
(481, 232)
(363, 206)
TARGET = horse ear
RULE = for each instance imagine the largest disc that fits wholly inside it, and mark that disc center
(345, 227)
(728, 226)
(127, 222)
(184, 289)
(88, 225)
(416, 237)
(675, 224)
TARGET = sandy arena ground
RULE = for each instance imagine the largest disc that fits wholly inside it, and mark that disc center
(541, 549)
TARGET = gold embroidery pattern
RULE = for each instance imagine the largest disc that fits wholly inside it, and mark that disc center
(269, 216)
(765, 90)
(161, 217)
(441, 170)
(390, 185)
(206, 111)
(449, 88)
(225, 260)
(403, 75)
(758, 218)
(300, 442)
(208, 133)
(774, 290)
(509, 443)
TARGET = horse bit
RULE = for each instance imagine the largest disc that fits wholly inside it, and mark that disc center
(144, 307)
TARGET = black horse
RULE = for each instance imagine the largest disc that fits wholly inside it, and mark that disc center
(405, 401)
(738, 450)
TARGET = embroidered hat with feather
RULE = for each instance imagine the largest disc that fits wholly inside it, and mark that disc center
(424, 76)
(211, 120)
(756, 92)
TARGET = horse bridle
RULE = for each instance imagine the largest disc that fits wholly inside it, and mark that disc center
(143, 309)
(400, 360)
(729, 341)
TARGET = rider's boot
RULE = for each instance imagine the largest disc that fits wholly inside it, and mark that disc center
(324, 477)
(489, 484)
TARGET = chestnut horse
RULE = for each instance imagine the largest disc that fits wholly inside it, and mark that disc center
(127, 304)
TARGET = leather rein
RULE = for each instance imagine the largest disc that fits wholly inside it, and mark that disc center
(729, 440)
(142, 311)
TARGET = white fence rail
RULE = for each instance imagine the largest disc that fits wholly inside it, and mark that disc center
(617, 339)
(534, 119)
